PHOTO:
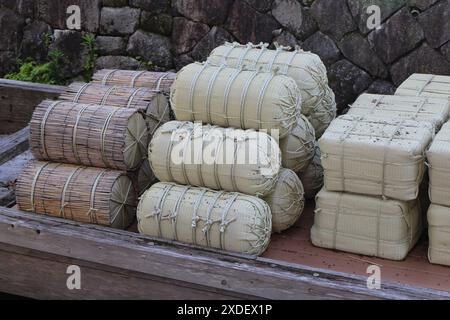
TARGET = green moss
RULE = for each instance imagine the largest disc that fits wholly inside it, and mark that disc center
(89, 65)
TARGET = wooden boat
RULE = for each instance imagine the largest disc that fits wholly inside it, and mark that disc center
(36, 251)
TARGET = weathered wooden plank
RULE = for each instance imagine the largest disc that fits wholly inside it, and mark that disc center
(238, 275)
(14, 145)
(18, 100)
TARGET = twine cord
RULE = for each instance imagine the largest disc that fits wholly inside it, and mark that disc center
(107, 76)
(92, 213)
(63, 196)
(135, 78)
(77, 97)
(33, 186)
(103, 136)
(44, 123)
(195, 217)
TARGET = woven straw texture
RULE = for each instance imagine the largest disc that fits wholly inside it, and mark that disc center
(377, 157)
(366, 225)
(158, 81)
(305, 68)
(425, 85)
(87, 195)
(439, 160)
(220, 220)
(433, 110)
(91, 135)
(287, 201)
(439, 234)
(154, 104)
(297, 149)
(180, 152)
(234, 98)
(312, 178)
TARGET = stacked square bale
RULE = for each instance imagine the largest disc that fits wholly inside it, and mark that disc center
(374, 160)
(426, 85)
(236, 104)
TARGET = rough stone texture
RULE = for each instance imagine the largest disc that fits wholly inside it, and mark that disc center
(248, 25)
(323, 46)
(33, 43)
(436, 24)
(398, 36)
(151, 47)
(358, 8)
(347, 81)
(213, 12)
(54, 13)
(286, 39)
(117, 62)
(357, 49)
(115, 3)
(7, 62)
(152, 6)
(260, 5)
(333, 17)
(422, 4)
(422, 60)
(182, 61)
(11, 26)
(119, 21)
(382, 87)
(107, 45)
(216, 37)
(161, 24)
(445, 49)
(186, 34)
(70, 44)
(291, 15)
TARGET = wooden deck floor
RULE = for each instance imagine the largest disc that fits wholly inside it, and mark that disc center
(294, 246)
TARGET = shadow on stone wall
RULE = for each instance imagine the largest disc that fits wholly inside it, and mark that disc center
(414, 36)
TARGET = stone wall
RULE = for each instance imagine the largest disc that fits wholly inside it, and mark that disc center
(414, 36)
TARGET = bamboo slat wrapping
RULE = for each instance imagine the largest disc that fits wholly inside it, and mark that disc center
(287, 201)
(370, 226)
(425, 85)
(312, 178)
(159, 81)
(229, 97)
(433, 110)
(305, 68)
(90, 135)
(82, 194)
(154, 104)
(221, 159)
(297, 149)
(226, 221)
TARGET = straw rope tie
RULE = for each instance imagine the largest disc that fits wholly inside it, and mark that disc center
(75, 133)
(209, 222)
(230, 82)
(92, 213)
(193, 87)
(244, 98)
(244, 54)
(216, 162)
(195, 217)
(66, 186)
(44, 123)
(130, 100)
(122, 206)
(33, 185)
(77, 97)
(228, 53)
(261, 99)
(157, 211)
(135, 78)
(160, 80)
(209, 92)
(426, 84)
(106, 95)
(107, 76)
(263, 49)
(103, 136)
(175, 211)
(224, 222)
(290, 62)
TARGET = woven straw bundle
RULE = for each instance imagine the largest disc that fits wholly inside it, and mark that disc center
(366, 225)
(234, 98)
(158, 81)
(305, 68)
(433, 110)
(87, 195)
(154, 104)
(221, 159)
(286, 202)
(91, 135)
(438, 232)
(220, 220)
(297, 149)
(376, 157)
(438, 158)
(312, 178)
(425, 85)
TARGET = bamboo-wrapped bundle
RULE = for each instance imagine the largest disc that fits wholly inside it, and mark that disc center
(159, 81)
(425, 85)
(143, 178)
(221, 159)
(312, 178)
(433, 110)
(154, 104)
(287, 201)
(235, 98)
(87, 195)
(90, 135)
(226, 221)
(297, 149)
(305, 68)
